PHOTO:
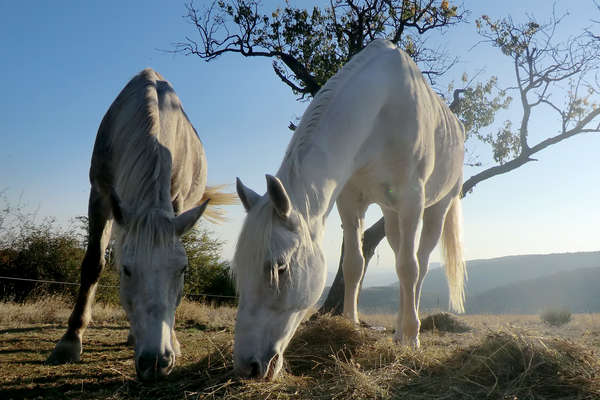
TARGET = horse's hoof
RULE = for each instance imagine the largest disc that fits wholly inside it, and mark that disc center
(67, 350)
(130, 340)
(413, 343)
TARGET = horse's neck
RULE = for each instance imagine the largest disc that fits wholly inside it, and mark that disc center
(315, 179)
(329, 139)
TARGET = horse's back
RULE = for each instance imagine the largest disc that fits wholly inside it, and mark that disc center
(147, 117)
(414, 137)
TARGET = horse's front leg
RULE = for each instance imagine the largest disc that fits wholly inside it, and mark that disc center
(69, 348)
(352, 212)
(130, 338)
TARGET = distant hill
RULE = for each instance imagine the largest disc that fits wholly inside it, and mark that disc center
(499, 274)
(577, 291)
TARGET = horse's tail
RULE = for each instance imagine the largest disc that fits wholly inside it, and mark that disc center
(456, 271)
(217, 198)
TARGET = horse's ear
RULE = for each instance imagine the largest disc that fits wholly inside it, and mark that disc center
(279, 197)
(248, 196)
(119, 211)
(186, 221)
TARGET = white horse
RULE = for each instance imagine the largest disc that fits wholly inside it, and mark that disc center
(375, 133)
(148, 165)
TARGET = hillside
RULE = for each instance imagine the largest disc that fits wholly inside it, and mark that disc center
(488, 275)
(575, 290)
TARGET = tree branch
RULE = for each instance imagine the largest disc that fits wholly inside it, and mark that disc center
(301, 73)
(525, 157)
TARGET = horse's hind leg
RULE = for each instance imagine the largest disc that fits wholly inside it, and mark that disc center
(433, 222)
(401, 230)
(69, 348)
(352, 212)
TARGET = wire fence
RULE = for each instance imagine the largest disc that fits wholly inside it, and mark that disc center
(188, 295)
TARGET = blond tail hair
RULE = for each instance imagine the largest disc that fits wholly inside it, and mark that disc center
(213, 213)
(456, 270)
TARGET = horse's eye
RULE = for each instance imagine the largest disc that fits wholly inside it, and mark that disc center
(126, 271)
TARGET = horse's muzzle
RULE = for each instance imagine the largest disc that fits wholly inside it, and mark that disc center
(266, 369)
(153, 366)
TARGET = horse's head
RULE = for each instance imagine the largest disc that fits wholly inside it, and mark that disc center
(280, 272)
(152, 263)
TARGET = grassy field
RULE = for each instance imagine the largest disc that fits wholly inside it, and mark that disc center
(501, 357)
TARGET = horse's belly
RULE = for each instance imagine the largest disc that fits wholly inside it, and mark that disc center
(385, 181)
(391, 179)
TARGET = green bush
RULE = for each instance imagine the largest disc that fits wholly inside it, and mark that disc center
(207, 274)
(41, 250)
(556, 317)
(36, 250)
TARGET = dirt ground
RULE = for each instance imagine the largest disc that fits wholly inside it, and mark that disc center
(350, 363)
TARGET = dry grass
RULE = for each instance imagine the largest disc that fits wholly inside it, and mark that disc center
(52, 310)
(502, 357)
(193, 315)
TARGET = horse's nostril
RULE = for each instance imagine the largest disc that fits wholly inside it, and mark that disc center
(151, 366)
(254, 369)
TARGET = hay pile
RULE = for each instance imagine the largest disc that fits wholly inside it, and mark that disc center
(508, 366)
(319, 341)
(329, 357)
(443, 322)
(332, 358)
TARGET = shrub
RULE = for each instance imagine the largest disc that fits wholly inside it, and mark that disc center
(556, 317)
(207, 274)
(36, 250)
(41, 250)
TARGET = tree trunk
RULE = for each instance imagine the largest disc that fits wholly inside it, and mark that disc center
(334, 303)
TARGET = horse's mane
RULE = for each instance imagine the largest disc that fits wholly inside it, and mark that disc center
(253, 243)
(137, 156)
(257, 246)
(303, 135)
(303, 138)
(147, 231)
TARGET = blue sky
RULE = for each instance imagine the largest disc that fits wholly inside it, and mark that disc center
(63, 64)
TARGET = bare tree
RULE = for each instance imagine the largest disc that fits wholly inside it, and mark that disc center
(309, 46)
(550, 76)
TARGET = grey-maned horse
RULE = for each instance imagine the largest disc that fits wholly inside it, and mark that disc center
(148, 173)
(375, 133)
